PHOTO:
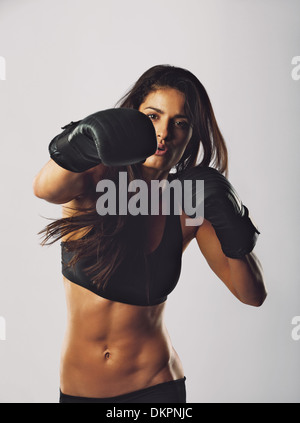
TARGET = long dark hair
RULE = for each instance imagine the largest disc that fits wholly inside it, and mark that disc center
(114, 238)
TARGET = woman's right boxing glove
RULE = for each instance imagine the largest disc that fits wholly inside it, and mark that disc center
(114, 137)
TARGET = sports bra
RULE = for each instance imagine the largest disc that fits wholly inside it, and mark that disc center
(146, 283)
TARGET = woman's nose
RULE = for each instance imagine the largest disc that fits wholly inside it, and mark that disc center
(163, 131)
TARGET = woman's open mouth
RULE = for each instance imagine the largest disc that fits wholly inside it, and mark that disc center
(161, 150)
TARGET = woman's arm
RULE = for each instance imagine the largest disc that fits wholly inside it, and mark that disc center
(243, 276)
(107, 138)
(59, 186)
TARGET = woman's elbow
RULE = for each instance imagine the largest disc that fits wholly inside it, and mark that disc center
(36, 187)
(260, 300)
(256, 300)
(42, 191)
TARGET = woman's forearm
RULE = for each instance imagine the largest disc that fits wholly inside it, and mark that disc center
(247, 280)
(57, 185)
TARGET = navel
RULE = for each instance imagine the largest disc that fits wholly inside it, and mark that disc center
(107, 353)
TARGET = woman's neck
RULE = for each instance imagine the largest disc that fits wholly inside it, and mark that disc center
(150, 174)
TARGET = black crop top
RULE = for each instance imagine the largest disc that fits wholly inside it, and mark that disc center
(147, 283)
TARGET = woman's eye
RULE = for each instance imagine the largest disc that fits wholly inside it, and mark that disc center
(152, 116)
(182, 124)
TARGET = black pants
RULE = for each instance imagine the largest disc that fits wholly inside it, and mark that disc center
(167, 392)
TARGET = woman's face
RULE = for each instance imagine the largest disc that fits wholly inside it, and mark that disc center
(165, 108)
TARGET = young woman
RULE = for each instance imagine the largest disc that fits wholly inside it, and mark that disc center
(119, 268)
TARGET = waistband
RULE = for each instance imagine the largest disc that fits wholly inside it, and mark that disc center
(167, 392)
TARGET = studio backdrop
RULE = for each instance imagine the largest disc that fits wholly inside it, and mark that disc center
(64, 59)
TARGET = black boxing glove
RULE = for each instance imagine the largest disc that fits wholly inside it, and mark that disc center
(114, 137)
(223, 209)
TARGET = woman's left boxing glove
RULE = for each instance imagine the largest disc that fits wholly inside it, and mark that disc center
(224, 210)
(114, 137)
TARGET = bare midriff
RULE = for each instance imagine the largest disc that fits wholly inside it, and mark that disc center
(112, 348)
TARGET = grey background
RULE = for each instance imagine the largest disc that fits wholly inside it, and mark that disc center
(68, 58)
